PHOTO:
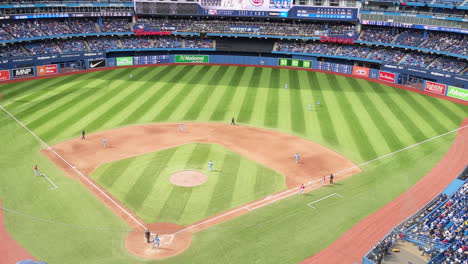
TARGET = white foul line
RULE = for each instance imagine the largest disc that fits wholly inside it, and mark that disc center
(51, 182)
(310, 184)
(414, 145)
(328, 196)
(73, 168)
(293, 190)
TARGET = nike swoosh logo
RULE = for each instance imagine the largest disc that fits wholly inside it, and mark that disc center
(91, 65)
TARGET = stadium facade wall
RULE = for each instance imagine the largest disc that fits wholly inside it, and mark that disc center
(444, 85)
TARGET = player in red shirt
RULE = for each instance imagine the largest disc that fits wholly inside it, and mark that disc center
(36, 171)
(302, 188)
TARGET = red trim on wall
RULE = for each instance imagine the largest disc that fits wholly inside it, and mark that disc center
(455, 100)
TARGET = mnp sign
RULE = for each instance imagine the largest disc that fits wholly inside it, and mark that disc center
(23, 72)
(456, 92)
(192, 59)
(124, 61)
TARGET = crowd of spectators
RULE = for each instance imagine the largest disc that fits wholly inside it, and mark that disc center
(418, 59)
(440, 230)
(42, 48)
(103, 43)
(83, 26)
(13, 50)
(137, 42)
(410, 38)
(448, 225)
(115, 25)
(392, 55)
(448, 64)
(168, 42)
(199, 43)
(354, 51)
(387, 55)
(377, 35)
(23, 29)
(448, 42)
(249, 27)
(54, 27)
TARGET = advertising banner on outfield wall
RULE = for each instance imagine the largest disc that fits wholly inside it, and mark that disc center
(192, 59)
(295, 63)
(23, 72)
(124, 61)
(46, 69)
(93, 64)
(5, 75)
(387, 76)
(456, 92)
(361, 71)
(437, 88)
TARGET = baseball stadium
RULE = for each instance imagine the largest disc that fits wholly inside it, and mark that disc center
(234, 131)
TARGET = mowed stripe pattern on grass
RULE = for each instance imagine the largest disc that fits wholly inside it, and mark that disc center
(360, 119)
(59, 108)
(142, 183)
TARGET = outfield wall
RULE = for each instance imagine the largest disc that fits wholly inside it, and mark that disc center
(445, 90)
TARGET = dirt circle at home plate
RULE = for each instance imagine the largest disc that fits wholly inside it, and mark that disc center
(188, 178)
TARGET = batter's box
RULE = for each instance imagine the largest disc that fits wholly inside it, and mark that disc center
(328, 196)
(167, 239)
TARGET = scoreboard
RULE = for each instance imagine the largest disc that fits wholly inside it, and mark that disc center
(340, 13)
(247, 8)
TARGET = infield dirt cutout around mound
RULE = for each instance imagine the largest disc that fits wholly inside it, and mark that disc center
(270, 148)
(188, 178)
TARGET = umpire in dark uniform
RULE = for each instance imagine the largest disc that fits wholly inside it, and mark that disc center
(147, 236)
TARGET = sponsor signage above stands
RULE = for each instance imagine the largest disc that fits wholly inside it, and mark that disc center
(361, 71)
(192, 59)
(93, 64)
(336, 40)
(295, 63)
(145, 30)
(46, 69)
(124, 61)
(437, 88)
(456, 92)
(23, 72)
(5, 75)
(387, 76)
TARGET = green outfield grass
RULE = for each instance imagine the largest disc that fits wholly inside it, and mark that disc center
(142, 183)
(359, 119)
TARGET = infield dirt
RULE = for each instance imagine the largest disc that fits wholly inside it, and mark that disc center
(270, 148)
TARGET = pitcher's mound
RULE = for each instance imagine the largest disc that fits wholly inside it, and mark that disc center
(188, 178)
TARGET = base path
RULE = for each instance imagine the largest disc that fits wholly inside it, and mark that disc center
(10, 250)
(270, 148)
(356, 242)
